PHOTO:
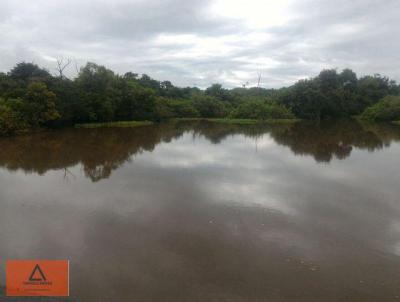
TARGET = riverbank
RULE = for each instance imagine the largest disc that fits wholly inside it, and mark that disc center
(125, 124)
(241, 121)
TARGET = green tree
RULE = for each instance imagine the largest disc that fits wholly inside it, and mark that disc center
(28, 71)
(10, 121)
(218, 92)
(210, 107)
(99, 92)
(372, 88)
(387, 109)
(257, 108)
(183, 108)
(40, 105)
(137, 102)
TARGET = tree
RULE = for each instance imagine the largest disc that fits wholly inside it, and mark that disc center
(137, 102)
(372, 88)
(218, 92)
(257, 108)
(61, 65)
(210, 107)
(386, 110)
(348, 79)
(305, 100)
(130, 76)
(40, 105)
(328, 80)
(28, 71)
(148, 82)
(10, 119)
(99, 92)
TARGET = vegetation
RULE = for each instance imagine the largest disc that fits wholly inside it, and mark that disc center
(259, 109)
(31, 98)
(387, 109)
(336, 95)
(242, 121)
(128, 124)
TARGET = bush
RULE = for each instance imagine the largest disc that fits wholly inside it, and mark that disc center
(386, 110)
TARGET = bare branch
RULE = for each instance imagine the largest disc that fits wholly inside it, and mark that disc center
(259, 79)
(61, 65)
(76, 67)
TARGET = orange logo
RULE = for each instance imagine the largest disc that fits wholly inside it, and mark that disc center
(37, 278)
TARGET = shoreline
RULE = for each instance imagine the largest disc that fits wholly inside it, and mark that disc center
(122, 124)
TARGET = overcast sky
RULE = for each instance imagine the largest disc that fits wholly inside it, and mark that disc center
(206, 41)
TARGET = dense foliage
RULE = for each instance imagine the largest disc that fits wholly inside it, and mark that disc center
(388, 109)
(333, 94)
(257, 108)
(30, 97)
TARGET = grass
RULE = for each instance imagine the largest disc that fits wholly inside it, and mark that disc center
(396, 122)
(127, 124)
(241, 121)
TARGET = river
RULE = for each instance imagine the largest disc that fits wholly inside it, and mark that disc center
(198, 211)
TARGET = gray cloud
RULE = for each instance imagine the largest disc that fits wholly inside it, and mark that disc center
(192, 43)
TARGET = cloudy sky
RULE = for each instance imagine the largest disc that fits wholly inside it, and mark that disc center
(199, 42)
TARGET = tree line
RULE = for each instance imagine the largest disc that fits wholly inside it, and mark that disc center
(30, 97)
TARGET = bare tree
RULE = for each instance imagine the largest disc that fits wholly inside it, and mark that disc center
(76, 66)
(259, 79)
(61, 65)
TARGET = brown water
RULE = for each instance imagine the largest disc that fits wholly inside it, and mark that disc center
(207, 212)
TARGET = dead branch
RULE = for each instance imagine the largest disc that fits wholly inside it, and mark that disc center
(61, 65)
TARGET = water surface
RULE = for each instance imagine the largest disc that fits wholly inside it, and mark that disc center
(208, 212)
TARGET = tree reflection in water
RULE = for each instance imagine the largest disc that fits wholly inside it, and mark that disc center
(101, 151)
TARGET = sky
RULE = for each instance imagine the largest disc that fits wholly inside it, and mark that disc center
(200, 42)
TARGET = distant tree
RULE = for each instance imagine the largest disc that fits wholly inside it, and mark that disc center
(62, 65)
(170, 91)
(31, 97)
(348, 79)
(181, 107)
(305, 100)
(372, 88)
(130, 76)
(28, 71)
(328, 80)
(148, 82)
(218, 92)
(163, 110)
(137, 102)
(210, 107)
(257, 108)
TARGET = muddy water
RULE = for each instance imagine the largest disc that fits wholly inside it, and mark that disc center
(207, 212)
